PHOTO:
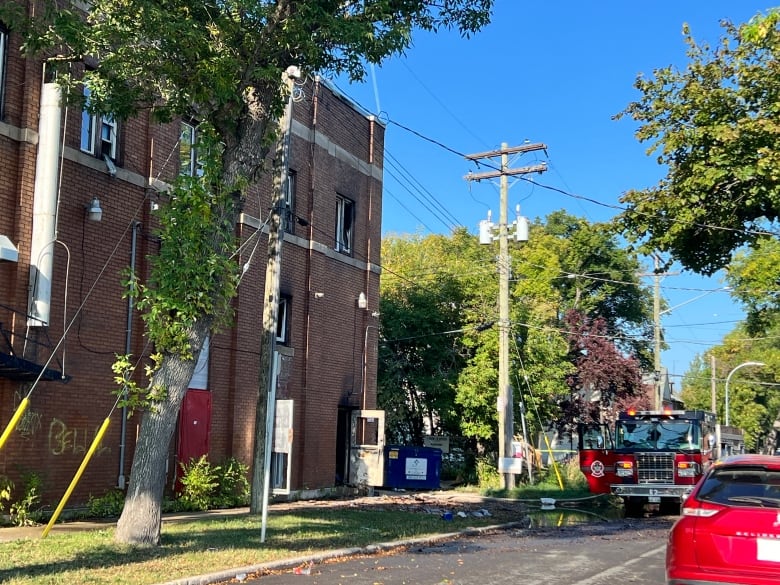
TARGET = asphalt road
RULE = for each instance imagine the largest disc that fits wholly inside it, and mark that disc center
(623, 551)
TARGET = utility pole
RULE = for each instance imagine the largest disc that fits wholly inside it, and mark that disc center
(659, 401)
(266, 400)
(714, 404)
(657, 313)
(505, 402)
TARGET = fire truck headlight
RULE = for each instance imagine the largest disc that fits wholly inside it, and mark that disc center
(624, 468)
(687, 469)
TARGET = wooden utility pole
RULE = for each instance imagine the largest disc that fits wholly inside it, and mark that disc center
(659, 400)
(713, 387)
(714, 405)
(265, 412)
(505, 402)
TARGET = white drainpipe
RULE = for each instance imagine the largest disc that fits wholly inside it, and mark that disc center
(44, 227)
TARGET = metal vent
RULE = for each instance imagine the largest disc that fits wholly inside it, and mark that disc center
(655, 467)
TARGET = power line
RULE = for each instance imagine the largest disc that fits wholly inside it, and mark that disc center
(564, 192)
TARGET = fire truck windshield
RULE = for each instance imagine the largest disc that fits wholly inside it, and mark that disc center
(657, 435)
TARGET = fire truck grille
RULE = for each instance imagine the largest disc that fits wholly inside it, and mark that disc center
(655, 467)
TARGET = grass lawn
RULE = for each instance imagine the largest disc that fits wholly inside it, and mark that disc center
(210, 545)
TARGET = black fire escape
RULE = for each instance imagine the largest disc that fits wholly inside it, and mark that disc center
(26, 358)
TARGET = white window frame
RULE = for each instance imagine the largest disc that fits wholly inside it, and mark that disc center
(345, 224)
(191, 167)
(93, 126)
(282, 325)
(108, 132)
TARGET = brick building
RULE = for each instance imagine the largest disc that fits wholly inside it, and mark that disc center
(63, 317)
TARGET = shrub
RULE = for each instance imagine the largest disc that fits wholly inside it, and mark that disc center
(199, 483)
(205, 486)
(107, 506)
(487, 474)
(22, 510)
(6, 488)
(233, 489)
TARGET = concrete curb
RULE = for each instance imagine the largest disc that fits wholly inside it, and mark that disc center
(289, 563)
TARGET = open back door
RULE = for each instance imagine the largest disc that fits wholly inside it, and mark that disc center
(366, 448)
(597, 456)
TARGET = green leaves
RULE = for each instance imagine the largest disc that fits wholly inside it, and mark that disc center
(715, 126)
(194, 275)
(438, 362)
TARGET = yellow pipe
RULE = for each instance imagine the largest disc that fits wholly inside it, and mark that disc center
(14, 420)
(77, 477)
(554, 462)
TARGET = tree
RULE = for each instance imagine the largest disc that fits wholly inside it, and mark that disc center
(600, 278)
(222, 63)
(604, 379)
(422, 312)
(439, 357)
(715, 126)
(752, 404)
(754, 277)
(539, 348)
(606, 315)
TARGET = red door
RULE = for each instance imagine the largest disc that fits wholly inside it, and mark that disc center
(194, 427)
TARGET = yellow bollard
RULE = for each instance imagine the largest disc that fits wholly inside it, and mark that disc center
(77, 477)
(14, 420)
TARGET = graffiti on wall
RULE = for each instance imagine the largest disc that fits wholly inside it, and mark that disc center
(30, 422)
(65, 440)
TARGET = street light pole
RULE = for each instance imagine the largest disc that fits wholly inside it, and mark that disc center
(728, 379)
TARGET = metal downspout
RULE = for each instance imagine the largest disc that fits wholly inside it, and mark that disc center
(128, 339)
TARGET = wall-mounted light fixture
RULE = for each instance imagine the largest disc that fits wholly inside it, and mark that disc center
(319, 295)
(362, 301)
(94, 211)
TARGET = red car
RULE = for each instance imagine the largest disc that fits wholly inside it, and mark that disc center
(729, 528)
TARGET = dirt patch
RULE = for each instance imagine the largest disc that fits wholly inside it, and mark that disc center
(456, 504)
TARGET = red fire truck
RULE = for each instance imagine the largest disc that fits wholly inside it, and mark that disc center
(648, 457)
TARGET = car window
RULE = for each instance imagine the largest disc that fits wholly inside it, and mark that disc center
(742, 487)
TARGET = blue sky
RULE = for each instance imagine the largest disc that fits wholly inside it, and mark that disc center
(554, 72)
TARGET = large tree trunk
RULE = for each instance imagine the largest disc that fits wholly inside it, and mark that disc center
(141, 517)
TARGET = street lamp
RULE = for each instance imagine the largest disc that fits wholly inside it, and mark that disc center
(728, 379)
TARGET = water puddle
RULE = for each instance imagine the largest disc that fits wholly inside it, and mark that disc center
(557, 517)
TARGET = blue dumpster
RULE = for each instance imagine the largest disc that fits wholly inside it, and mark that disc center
(412, 467)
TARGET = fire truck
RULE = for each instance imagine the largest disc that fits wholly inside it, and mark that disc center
(648, 457)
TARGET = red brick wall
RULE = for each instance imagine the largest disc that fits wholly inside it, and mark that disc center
(327, 334)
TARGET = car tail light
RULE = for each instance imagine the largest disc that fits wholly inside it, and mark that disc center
(700, 509)
(687, 469)
(624, 468)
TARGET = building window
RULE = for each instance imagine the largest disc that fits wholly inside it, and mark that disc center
(3, 52)
(282, 321)
(288, 215)
(345, 215)
(98, 133)
(190, 165)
